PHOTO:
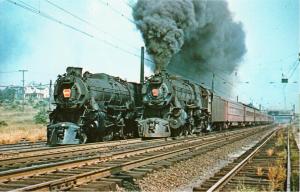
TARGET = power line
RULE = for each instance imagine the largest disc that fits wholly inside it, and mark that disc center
(8, 71)
(45, 15)
(23, 81)
(68, 12)
(38, 12)
(128, 4)
(36, 86)
(116, 11)
(294, 69)
(88, 23)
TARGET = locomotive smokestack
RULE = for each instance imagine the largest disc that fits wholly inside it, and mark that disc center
(75, 71)
(142, 66)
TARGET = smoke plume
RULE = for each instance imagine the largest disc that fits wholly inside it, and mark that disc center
(190, 36)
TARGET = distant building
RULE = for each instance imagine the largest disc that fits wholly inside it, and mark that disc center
(36, 92)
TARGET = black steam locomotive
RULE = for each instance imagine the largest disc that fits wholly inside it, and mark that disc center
(92, 107)
(174, 106)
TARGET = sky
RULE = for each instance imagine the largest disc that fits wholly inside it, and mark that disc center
(99, 36)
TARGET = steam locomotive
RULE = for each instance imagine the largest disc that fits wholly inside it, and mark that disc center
(92, 107)
(174, 106)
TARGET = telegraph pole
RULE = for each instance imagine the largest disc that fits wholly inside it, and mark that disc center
(50, 93)
(23, 81)
(213, 83)
(142, 66)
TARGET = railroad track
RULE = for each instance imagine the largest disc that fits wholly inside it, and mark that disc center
(26, 148)
(21, 146)
(260, 169)
(104, 170)
(66, 153)
(46, 155)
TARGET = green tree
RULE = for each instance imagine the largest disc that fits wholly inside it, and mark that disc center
(7, 94)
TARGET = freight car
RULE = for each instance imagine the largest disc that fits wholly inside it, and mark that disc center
(92, 107)
(174, 106)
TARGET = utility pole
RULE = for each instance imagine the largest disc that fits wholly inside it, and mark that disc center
(50, 94)
(213, 83)
(142, 66)
(23, 81)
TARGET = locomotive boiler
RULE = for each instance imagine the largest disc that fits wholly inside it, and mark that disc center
(172, 107)
(92, 107)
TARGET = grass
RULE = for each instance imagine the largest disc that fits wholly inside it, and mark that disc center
(277, 171)
(17, 125)
(280, 139)
(277, 177)
(243, 188)
(270, 152)
(259, 171)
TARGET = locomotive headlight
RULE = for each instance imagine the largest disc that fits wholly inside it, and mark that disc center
(67, 93)
(155, 92)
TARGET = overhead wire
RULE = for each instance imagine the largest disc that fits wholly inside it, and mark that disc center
(128, 4)
(9, 71)
(116, 11)
(294, 68)
(88, 23)
(49, 17)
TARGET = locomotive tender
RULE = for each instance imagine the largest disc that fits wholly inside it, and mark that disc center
(92, 107)
(174, 106)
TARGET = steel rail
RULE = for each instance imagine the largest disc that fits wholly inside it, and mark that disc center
(225, 179)
(65, 151)
(288, 182)
(21, 146)
(51, 150)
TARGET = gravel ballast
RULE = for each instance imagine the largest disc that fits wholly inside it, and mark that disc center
(185, 175)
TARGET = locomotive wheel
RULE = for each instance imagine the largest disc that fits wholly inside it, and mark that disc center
(83, 138)
(108, 136)
(185, 132)
(120, 133)
(190, 130)
(176, 132)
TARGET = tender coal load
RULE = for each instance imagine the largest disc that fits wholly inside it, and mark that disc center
(185, 35)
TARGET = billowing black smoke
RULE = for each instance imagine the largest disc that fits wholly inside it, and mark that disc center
(190, 36)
